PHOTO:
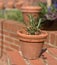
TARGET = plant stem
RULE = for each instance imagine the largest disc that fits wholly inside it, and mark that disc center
(40, 20)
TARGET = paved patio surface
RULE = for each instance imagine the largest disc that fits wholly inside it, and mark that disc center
(48, 58)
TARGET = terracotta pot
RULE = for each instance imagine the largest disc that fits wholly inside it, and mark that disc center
(31, 45)
(19, 4)
(1, 4)
(34, 10)
(10, 4)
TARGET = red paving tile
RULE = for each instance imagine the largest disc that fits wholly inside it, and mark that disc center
(53, 51)
(16, 59)
(50, 59)
(37, 62)
(3, 60)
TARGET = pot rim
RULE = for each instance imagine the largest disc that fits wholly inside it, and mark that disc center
(44, 34)
(30, 9)
(32, 38)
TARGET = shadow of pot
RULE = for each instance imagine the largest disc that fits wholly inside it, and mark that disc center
(47, 24)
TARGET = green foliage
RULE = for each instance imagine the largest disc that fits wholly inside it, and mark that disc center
(1, 14)
(45, 9)
(14, 15)
(34, 26)
(47, 13)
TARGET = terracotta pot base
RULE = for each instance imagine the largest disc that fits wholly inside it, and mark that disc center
(31, 50)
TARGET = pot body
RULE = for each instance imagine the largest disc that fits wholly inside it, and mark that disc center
(18, 4)
(31, 50)
(31, 45)
(10, 4)
(1, 4)
(33, 10)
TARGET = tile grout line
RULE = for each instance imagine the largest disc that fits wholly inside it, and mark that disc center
(7, 36)
(26, 61)
(55, 57)
(10, 43)
(45, 61)
(9, 48)
(52, 45)
(51, 53)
